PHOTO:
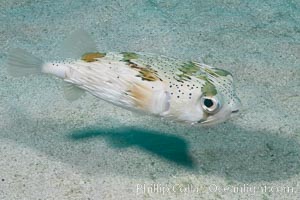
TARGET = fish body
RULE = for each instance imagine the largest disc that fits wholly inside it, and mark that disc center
(180, 90)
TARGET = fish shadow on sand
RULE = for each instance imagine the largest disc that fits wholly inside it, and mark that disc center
(228, 151)
(170, 147)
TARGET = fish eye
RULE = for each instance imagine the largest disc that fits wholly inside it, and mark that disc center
(210, 104)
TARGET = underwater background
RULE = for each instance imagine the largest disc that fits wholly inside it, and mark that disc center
(89, 149)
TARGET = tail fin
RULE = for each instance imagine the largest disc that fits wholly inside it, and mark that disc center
(22, 63)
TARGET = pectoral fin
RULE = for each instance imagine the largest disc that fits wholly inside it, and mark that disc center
(72, 92)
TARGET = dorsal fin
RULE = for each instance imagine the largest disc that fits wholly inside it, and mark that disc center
(78, 44)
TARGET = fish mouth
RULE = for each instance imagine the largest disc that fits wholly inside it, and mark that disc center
(220, 117)
(213, 121)
(235, 111)
(236, 105)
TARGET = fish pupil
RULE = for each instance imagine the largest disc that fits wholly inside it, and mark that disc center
(208, 103)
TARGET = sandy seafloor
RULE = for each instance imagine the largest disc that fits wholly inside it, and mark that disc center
(88, 149)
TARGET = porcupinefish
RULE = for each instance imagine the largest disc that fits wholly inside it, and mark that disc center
(171, 88)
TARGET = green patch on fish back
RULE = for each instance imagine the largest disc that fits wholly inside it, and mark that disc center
(127, 56)
(218, 72)
(91, 57)
(187, 70)
(222, 72)
(208, 89)
(148, 74)
(182, 77)
(202, 77)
